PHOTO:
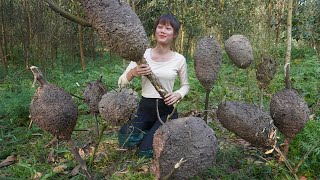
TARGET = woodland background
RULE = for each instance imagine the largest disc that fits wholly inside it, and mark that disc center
(71, 55)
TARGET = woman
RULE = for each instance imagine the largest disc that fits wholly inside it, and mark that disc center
(166, 65)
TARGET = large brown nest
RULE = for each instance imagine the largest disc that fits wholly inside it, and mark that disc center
(207, 61)
(289, 112)
(266, 69)
(247, 121)
(117, 107)
(53, 110)
(118, 26)
(93, 94)
(189, 138)
(239, 50)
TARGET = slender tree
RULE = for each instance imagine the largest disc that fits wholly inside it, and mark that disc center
(3, 44)
(289, 41)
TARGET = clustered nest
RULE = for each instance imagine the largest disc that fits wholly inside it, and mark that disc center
(289, 112)
(247, 121)
(118, 26)
(207, 61)
(189, 138)
(53, 110)
(239, 50)
(93, 94)
(117, 107)
(266, 69)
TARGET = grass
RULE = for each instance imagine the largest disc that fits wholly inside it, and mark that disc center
(236, 159)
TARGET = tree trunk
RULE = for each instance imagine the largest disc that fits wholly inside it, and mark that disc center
(26, 43)
(269, 24)
(188, 44)
(279, 19)
(288, 55)
(3, 39)
(93, 45)
(40, 52)
(11, 47)
(83, 64)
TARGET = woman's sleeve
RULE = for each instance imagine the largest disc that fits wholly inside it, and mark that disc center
(123, 81)
(184, 83)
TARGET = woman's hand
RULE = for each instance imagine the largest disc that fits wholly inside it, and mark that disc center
(172, 98)
(141, 70)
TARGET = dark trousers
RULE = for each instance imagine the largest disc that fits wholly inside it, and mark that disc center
(146, 122)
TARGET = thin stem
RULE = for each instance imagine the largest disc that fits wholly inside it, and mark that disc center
(206, 106)
(127, 139)
(158, 114)
(248, 83)
(77, 96)
(97, 124)
(295, 170)
(287, 163)
(78, 158)
(97, 144)
(261, 99)
(174, 109)
(30, 124)
(286, 146)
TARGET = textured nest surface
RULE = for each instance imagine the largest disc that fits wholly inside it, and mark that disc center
(189, 138)
(208, 58)
(118, 107)
(93, 93)
(289, 112)
(118, 26)
(53, 110)
(239, 50)
(246, 121)
(266, 70)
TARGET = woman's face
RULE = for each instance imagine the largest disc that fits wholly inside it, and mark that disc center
(164, 33)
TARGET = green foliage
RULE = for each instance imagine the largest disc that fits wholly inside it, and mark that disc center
(16, 94)
(305, 141)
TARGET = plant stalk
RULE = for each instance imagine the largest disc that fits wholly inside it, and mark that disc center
(248, 83)
(78, 158)
(97, 144)
(261, 99)
(206, 106)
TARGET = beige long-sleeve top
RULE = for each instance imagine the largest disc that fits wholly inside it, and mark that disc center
(166, 72)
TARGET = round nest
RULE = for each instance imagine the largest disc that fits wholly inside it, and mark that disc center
(189, 138)
(117, 107)
(53, 110)
(266, 69)
(247, 121)
(118, 26)
(93, 94)
(239, 50)
(289, 112)
(207, 61)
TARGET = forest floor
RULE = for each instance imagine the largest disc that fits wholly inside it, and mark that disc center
(30, 153)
